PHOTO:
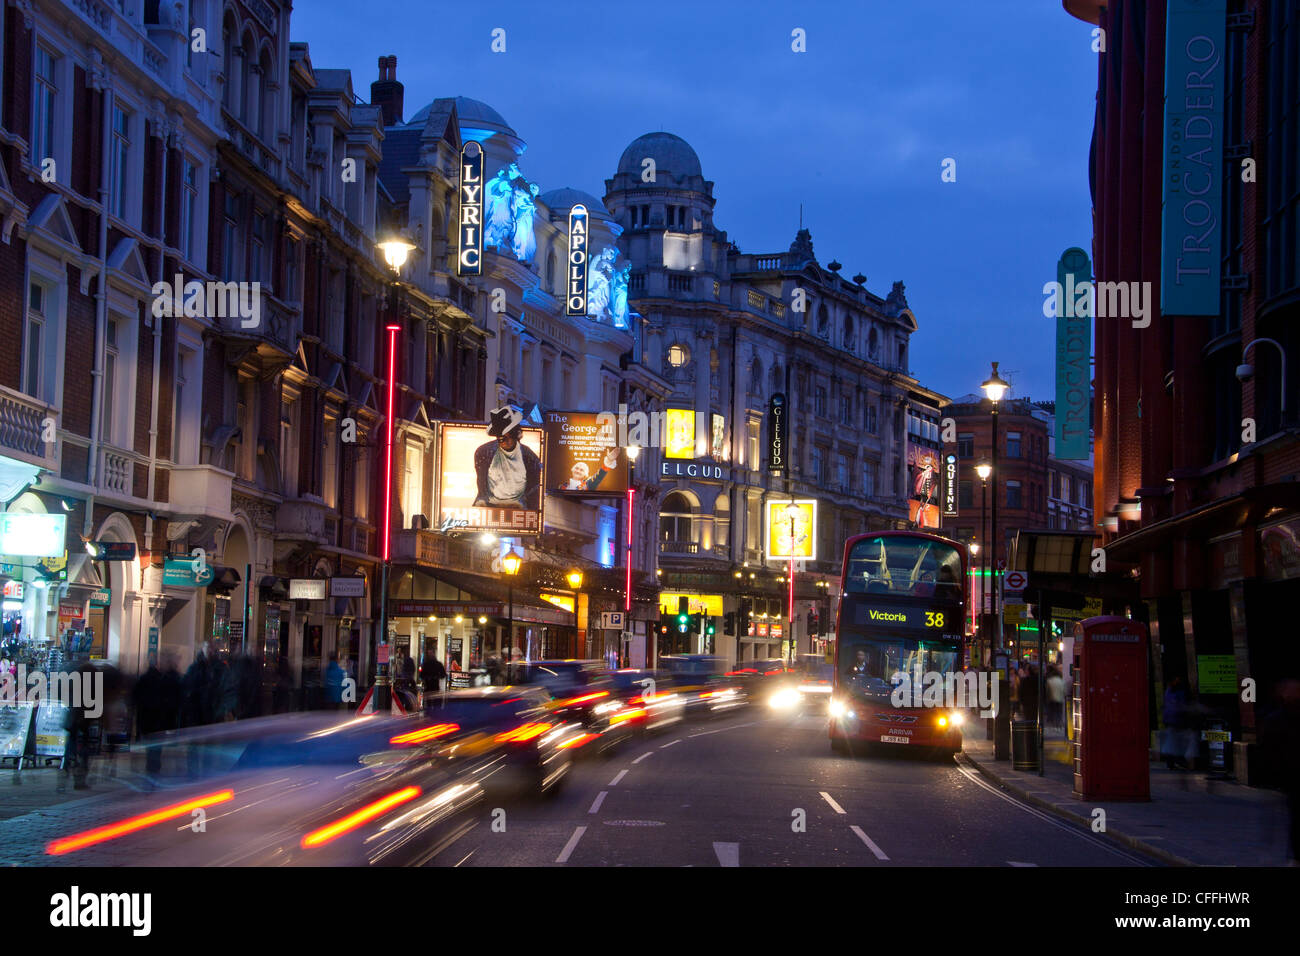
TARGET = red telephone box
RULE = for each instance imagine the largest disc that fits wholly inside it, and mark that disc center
(1112, 736)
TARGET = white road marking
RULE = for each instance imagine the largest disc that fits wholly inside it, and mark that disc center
(880, 854)
(829, 799)
(721, 730)
(728, 853)
(975, 777)
(619, 776)
(670, 743)
(648, 753)
(468, 855)
(1014, 863)
(568, 847)
(600, 798)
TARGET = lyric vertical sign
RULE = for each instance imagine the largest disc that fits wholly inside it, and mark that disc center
(469, 257)
(577, 260)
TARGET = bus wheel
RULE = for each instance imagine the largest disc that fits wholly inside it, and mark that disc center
(839, 745)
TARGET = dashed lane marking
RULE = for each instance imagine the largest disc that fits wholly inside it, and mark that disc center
(871, 844)
(600, 798)
(831, 800)
(728, 853)
(617, 777)
(569, 847)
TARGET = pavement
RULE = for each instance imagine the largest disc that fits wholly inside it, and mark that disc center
(1190, 820)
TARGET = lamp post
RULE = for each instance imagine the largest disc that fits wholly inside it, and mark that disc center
(395, 250)
(792, 512)
(995, 387)
(574, 578)
(1246, 371)
(510, 565)
(633, 452)
(983, 469)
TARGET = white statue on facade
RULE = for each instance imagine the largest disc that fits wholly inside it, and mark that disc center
(523, 207)
(600, 276)
(618, 297)
(498, 231)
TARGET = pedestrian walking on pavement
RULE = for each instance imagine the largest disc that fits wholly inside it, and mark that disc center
(432, 673)
(1176, 738)
(1055, 698)
(1029, 692)
(334, 683)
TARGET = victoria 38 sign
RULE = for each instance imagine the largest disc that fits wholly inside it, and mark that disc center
(469, 258)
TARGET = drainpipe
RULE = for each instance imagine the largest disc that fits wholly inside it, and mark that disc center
(100, 81)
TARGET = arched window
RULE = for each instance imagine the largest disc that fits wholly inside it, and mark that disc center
(229, 54)
(722, 524)
(756, 377)
(251, 99)
(849, 338)
(266, 110)
(873, 342)
(823, 321)
(677, 528)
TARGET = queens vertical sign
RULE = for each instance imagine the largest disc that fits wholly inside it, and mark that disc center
(577, 295)
(469, 258)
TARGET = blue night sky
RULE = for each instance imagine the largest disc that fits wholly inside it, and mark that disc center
(856, 129)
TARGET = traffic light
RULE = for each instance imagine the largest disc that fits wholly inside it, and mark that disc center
(683, 615)
(729, 622)
(708, 626)
(812, 620)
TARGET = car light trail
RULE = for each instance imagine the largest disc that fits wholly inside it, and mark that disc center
(525, 732)
(353, 820)
(425, 733)
(132, 824)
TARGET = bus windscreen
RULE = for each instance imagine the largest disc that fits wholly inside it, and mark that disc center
(905, 567)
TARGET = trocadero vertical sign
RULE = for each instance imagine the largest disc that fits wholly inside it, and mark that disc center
(577, 295)
(469, 257)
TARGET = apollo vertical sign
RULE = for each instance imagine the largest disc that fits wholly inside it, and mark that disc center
(469, 257)
(1073, 349)
(1191, 233)
(577, 295)
(777, 435)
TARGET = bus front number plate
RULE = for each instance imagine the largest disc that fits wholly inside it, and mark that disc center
(895, 740)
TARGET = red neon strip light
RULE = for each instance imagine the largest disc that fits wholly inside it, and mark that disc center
(627, 593)
(353, 820)
(388, 442)
(130, 825)
(791, 601)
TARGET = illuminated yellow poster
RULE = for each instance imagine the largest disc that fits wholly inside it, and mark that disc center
(680, 442)
(791, 533)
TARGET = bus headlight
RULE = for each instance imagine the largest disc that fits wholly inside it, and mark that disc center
(943, 721)
(956, 719)
(838, 709)
(785, 698)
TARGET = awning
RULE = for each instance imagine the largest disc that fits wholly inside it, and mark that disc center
(1221, 516)
(224, 578)
(15, 477)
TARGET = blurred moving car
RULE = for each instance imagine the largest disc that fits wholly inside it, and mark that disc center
(813, 678)
(508, 739)
(583, 692)
(761, 679)
(653, 693)
(703, 682)
(290, 790)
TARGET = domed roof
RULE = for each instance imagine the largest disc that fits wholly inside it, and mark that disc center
(671, 154)
(566, 198)
(474, 113)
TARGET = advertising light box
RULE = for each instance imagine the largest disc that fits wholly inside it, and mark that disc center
(490, 483)
(583, 456)
(795, 538)
(33, 536)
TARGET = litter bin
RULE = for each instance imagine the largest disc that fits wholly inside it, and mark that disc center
(1024, 745)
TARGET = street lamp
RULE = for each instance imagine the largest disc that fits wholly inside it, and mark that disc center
(792, 512)
(510, 565)
(395, 250)
(1246, 371)
(633, 452)
(983, 469)
(996, 387)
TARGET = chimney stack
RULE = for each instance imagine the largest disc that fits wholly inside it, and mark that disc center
(387, 93)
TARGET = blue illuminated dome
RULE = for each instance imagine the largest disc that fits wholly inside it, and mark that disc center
(474, 116)
(565, 198)
(672, 155)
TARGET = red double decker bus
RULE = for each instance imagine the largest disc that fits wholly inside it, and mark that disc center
(900, 632)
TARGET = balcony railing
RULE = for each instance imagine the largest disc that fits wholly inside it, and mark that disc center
(23, 427)
(116, 471)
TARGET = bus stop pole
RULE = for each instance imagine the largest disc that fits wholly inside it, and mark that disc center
(1044, 622)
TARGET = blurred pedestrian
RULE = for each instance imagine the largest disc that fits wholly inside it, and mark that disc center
(334, 683)
(195, 707)
(1055, 697)
(147, 702)
(494, 670)
(1280, 735)
(1176, 734)
(1029, 692)
(282, 695)
(432, 673)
